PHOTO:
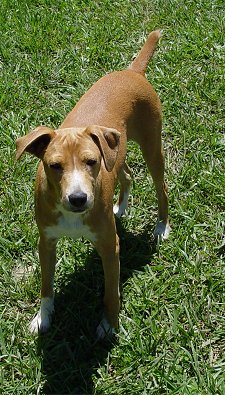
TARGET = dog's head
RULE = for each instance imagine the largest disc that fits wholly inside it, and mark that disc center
(72, 159)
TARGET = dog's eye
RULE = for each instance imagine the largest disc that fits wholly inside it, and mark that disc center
(56, 166)
(91, 162)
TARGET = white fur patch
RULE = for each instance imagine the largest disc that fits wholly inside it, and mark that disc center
(162, 230)
(77, 183)
(120, 209)
(42, 321)
(70, 224)
(104, 329)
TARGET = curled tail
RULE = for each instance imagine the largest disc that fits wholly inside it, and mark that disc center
(140, 63)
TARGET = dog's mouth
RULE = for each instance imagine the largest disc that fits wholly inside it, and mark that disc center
(77, 210)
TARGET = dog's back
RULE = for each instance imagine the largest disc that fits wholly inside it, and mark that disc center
(117, 98)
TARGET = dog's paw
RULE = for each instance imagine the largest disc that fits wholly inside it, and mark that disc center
(120, 209)
(42, 321)
(39, 324)
(162, 231)
(104, 330)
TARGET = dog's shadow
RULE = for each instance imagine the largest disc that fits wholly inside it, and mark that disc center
(70, 353)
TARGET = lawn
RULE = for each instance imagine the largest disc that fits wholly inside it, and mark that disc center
(172, 321)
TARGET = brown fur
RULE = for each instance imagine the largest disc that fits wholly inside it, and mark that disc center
(124, 106)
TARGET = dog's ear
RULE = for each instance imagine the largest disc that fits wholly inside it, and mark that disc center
(35, 142)
(107, 140)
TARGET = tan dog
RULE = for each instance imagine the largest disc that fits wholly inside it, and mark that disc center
(80, 164)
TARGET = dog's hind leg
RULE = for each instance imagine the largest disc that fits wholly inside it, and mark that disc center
(153, 155)
(125, 177)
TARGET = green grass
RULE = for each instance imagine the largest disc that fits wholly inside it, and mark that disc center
(172, 321)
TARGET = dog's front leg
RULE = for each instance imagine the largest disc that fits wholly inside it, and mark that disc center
(109, 253)
(47, 256)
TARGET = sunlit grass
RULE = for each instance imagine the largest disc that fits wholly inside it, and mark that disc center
(171, 338)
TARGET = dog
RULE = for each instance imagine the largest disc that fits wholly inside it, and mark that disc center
(80, 165)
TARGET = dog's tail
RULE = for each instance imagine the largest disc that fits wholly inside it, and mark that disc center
(140, 63)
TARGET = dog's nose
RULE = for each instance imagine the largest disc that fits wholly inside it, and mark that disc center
(78, 199)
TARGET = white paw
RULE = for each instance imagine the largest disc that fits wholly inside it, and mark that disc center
(42, 321)
(38, 324)
(104, 329)
(121, 209)
(162, 230)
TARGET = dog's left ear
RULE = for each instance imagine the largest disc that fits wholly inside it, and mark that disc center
(34, 142)
(107, 140)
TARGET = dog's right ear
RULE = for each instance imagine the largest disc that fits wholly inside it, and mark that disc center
(34, 142)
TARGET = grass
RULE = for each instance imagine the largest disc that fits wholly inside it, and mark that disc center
(171, 338)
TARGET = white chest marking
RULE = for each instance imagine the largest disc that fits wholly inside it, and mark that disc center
(71, 225)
